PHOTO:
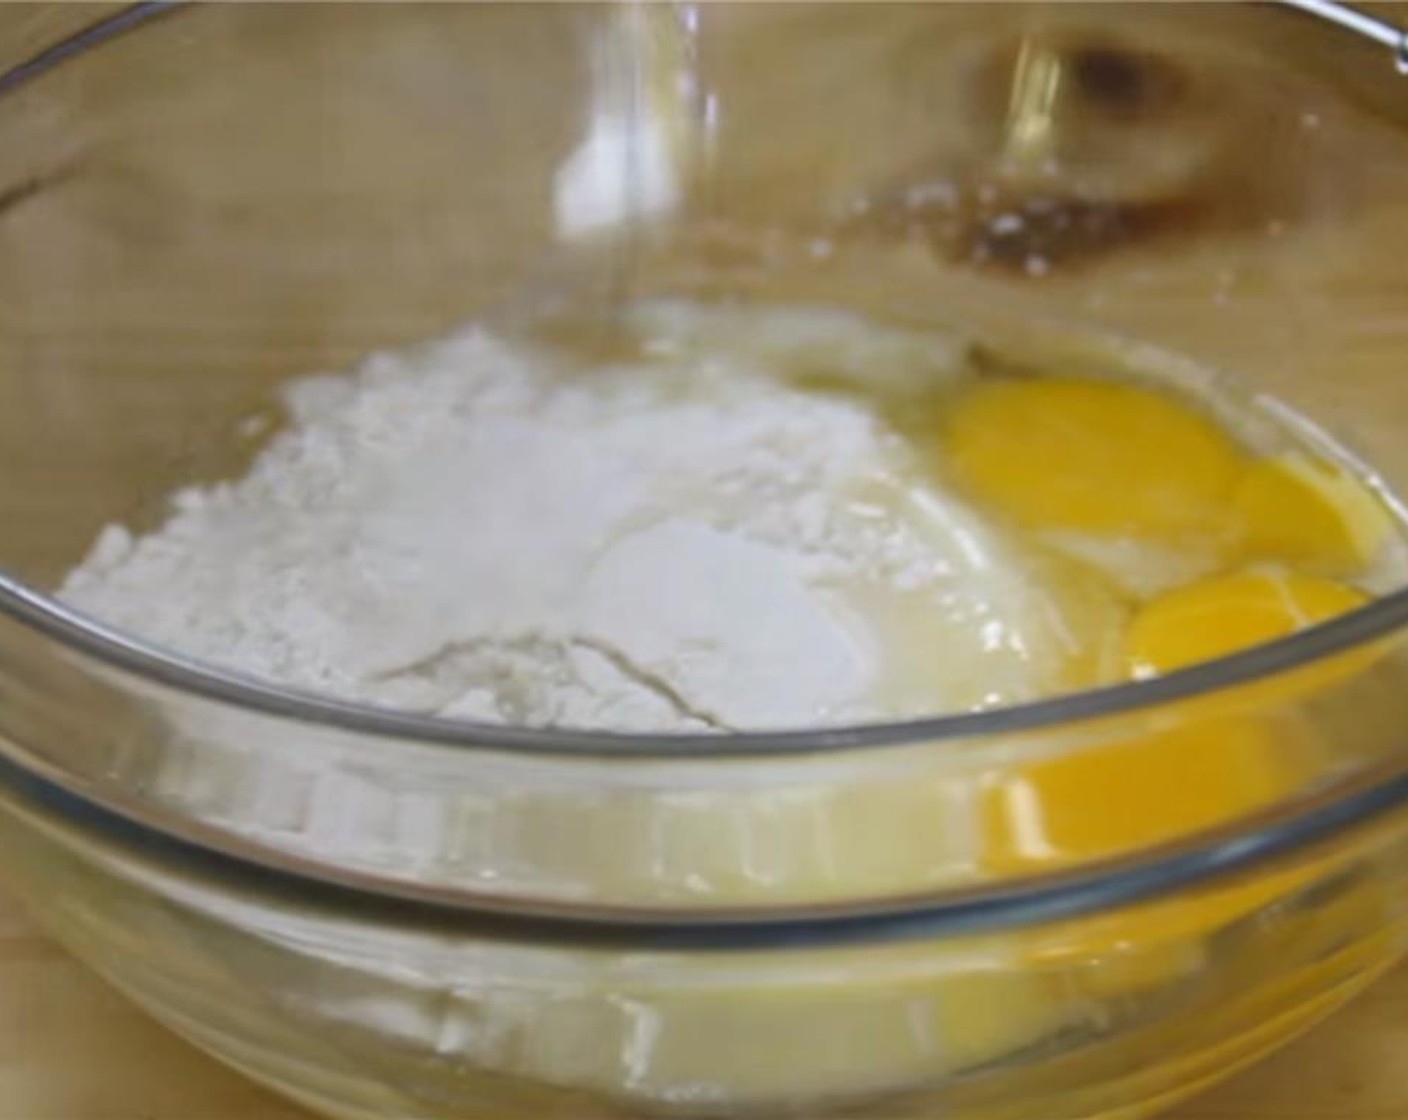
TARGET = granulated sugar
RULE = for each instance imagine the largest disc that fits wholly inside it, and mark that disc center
(497, 530)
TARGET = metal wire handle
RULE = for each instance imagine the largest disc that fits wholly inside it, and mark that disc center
(1360, 23)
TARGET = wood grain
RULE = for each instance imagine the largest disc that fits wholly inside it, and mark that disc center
(72, 1049)
(106, 308)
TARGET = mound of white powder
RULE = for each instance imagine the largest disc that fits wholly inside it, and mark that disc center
(491, 530)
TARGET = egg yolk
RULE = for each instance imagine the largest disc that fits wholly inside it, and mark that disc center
(1099, 803)
(1204, 772)
(1095, 456)
(1220, 615)
(1304, 512)
(1131, 795)
(1127, 797)
(1129, 463)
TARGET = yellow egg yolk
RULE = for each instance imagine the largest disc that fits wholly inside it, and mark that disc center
(1127, 797)
(1129, 463)
(1309, 513)
(1205, 772)
(1131, 795)
(1220, 615)
(1121, 798)
(1093, 456)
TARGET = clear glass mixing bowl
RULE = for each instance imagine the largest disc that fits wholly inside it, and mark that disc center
(390, 916)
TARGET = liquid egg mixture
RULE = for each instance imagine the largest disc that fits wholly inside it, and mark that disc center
(744, 519)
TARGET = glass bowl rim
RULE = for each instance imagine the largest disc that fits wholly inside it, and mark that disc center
(132, 655)
(145, 660)
(1273, 832)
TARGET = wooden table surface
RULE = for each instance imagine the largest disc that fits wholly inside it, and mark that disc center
(71, 1049)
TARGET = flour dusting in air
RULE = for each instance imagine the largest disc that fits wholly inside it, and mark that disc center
(499, 530)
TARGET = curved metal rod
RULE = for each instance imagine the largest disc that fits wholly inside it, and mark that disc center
(1343, 15)
(84, 39)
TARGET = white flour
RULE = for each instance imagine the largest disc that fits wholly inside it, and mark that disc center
(486, 530)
